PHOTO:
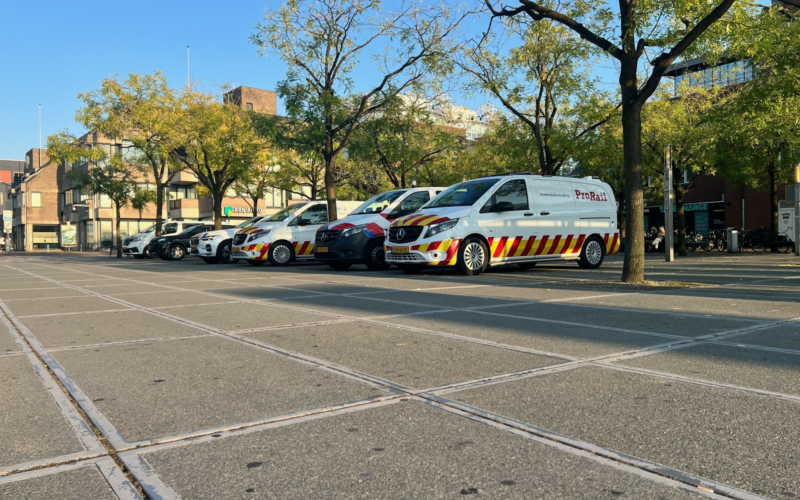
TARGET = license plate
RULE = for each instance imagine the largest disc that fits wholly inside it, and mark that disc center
(400, 250)
(322, 249)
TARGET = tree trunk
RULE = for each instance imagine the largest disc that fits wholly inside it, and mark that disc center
(330, 181)
(680, 214)
(633, 267)
(159, 207)
(119, 236)
(255, 205)
(217, 197)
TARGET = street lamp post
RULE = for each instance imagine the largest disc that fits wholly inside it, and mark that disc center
(669, 249)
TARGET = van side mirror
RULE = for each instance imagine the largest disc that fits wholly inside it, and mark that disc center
(504, 206)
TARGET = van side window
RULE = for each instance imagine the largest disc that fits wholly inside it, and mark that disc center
(514, 192)
(170, 228)
(318, 214)
(414, 202)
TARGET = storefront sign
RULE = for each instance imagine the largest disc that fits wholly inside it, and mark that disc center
(696, 207)
(8, 217)
(228, 211)
(68, 235)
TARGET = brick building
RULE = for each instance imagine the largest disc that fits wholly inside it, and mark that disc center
(259, 100)
(11, 173)
(35, 203)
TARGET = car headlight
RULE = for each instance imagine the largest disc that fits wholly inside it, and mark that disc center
(136, 238)
(211, 238)
(258, 236)
(442, 226)
(350, 231)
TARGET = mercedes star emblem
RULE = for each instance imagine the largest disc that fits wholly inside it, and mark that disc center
(401, 234)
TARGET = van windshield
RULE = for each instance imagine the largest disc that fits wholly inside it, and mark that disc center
(285, 213)
(150, 229)
(378, 203)
(463, 194)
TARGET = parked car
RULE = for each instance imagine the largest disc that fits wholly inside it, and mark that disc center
(359, 237)
(176, 246)
(215, 246)
(137, 244)
(517, 218)
(287, 235)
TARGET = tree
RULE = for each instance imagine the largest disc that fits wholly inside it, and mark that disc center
(543, 82)
(107, 174)
(685, 125)
(255, 182)
(142, 110)
(217, 142)
(324, 41)
(658, 32)
(404, 140)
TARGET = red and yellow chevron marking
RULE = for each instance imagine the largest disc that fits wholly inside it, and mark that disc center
(612, 243)
(263, 248)
(303, 248)
(249, 230)
(510, 247)
(419, 220)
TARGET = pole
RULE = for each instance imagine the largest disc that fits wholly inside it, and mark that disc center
(669, 249)
(797, 210)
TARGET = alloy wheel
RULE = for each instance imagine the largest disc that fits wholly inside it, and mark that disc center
(594, 252)
(474, 256)
(282, 254)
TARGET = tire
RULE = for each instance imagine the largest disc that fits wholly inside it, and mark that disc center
(209, 260)
(592, 253)
(256, 262)
(339, 266)
(409, 269)
(757, 244)
(375, 258)
(280, 254)
(176, 252)
(527, 265)
(224, 253)
(473, 257)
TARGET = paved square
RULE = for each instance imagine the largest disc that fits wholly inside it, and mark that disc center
(232, 381)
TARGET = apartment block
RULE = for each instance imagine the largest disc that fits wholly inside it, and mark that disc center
(258, 100)
(34, 200)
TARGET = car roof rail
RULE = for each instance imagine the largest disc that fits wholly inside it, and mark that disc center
(506, 174)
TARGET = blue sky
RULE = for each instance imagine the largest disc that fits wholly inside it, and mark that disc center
(77, 44)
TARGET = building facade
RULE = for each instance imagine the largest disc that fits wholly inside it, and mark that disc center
(34, 200)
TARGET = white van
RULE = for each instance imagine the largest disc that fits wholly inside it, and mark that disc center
(288, 235)
(516, 218)
(136, 244)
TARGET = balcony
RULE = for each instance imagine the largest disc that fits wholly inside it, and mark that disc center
(184, 208)
(183, 177)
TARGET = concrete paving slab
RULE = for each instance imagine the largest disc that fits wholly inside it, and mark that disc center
(77, 484)
(31, 424)
(537, 292)
(771, 371)
(91, 283)
(352, 306)
(404, 450)
(704, 301)
(786, 336)
(7, 343)
(174, 298)
(244, 315)
(63, 305)
(433, 299)
(49, 293)
(28, 285)
(408, 358)
(582, 342)
(207, 285)
(245, 292)
(127, 287)
(742, 440)
(86, 329)
(166, 388)
(617, 317)
(392, 280)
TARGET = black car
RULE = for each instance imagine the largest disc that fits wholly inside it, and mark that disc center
(176, 246)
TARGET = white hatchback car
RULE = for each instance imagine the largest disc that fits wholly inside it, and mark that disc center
(508, 219)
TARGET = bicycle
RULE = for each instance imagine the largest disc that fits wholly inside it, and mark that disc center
(784, 242)
(753, 240)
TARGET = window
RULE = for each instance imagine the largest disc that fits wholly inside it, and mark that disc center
(514, 192)
(36, 199)
(249, 106)
(318, 214)
(463, 194)
(181, 192)
(106, 233)
(18, 176)
(378, 203)
(62, 200)
(105, 201)
(128, 152)
(413, 203)
(76, 196)
(169, 228)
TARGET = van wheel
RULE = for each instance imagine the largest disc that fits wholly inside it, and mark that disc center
(224, 253)
(375, 257)
(409, 269)
(339, 266)
(280, 254)
(256, 262)
(592, 253)
(209, 260)
(527, 265)
(473, 257)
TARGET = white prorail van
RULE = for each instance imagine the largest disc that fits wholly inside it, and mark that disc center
(515, 218)
(288, 235)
